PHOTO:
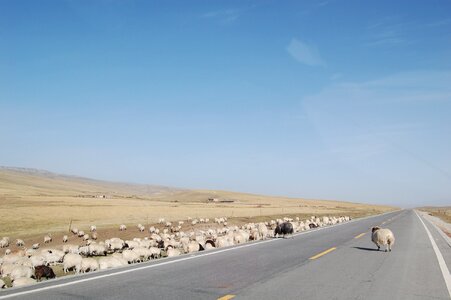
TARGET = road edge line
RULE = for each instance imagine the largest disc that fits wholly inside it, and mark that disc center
(438, 254)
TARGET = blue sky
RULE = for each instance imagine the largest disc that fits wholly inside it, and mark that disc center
(345, 100)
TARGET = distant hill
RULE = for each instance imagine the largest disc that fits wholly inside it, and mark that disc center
(32, 182)
(36, 201)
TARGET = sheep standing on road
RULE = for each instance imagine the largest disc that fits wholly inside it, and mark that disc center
(122, 227)
(65, 239)
(382, 236)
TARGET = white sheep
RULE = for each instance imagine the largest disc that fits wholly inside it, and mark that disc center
(65, 239)
(21, 271)
(173, 252)
(23, 281)
(69, 248)
(85, 237)
(97, 249)
(122, 227)
(74, 230)
(7, 251)
(72, 261)
(90, 264)
(19, 243)
(94, 235)
(93, 228)
(111, 262)
(4, 242)
(37, 260)
(35, 246)
(6, 269)
(81, 233)
(47, 239)
(130, 256)
(382, 236)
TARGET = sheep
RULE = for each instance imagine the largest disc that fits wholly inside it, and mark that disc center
(93, 228)
(23, 281)
(19, 243)
(173, 252)
(130, 256)
(6, 269)
(74, 230)
(194, 246)
(37, 260)
(84, 250)
(131, 244)
(85, 237)
(53, 256)
(81, 233)
(4, 242)
(11, 259)
(24, 261)
(111, 262)
(284, 229)
(209, 244)
(69, 248)
(382, 236)
(21, 271)
(7, 251)
(47, 239)
(263, 231)
(90, 264)
(155, 252)
(35, 246)
(43, 271)
(97, 249)
(122, 227)
(141, 228)
(72, 261)
(161, 220)
(65, 239)
(94, 235)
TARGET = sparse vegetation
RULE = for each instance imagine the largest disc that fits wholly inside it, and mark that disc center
(35, 202)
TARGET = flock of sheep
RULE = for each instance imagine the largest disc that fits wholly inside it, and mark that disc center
(86, 254)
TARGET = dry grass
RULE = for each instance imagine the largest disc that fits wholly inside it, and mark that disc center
(444, 212)
(33, 203)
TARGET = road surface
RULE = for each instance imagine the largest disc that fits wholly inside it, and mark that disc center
(338, 262)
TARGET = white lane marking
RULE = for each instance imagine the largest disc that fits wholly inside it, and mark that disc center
(441, 260)
(178, 260)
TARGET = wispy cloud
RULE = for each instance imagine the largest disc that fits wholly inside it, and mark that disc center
(225, 16)
(391, 31)
(304, 53)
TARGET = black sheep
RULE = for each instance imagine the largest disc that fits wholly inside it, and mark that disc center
(43, 271)
(283, 229)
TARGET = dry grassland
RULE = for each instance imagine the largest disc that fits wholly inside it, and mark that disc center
(444, 212)
(33, 203)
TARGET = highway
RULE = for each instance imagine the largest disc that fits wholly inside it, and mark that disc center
(338, 262)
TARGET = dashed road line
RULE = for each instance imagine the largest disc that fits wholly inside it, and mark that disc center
(323, 253)
(360, 235)
(227, 297)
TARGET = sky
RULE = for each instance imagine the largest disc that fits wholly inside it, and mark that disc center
(342, 100)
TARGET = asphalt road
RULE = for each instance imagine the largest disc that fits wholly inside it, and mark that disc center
(345, 265)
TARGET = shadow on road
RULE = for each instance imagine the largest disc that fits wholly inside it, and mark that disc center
(366, 249)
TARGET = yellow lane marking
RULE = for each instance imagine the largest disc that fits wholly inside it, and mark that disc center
(323, 253)
(360, 235)
(226, 297)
